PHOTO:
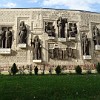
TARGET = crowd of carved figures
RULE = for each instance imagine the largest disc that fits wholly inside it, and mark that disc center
(62, 23)
(65, 29)
(62, 54)
(6, 37)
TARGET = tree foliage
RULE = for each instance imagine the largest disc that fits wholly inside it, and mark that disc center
(14, 69)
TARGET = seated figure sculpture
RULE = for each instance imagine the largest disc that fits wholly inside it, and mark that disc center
(72, 31)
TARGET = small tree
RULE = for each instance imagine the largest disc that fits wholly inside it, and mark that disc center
(98, 68)
(78, 69)
(58, 70)
(14, 69)
(36, 70)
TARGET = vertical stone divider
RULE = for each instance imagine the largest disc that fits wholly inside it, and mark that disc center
(56, 32)
(16, 34)
(29, 36)
(66, 27)
(56, 29)
(79, 43)
(92, 48)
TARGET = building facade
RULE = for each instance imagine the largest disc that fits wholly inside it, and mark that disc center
(49, 36)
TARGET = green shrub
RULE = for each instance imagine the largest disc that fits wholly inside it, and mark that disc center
(36, 70)
(14, 69)
(58, 70)
(78, 69)
(98, 68)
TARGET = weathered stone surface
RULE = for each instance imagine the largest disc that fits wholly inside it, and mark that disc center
(35, 22)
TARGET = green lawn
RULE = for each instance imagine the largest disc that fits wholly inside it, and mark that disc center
(50, 87)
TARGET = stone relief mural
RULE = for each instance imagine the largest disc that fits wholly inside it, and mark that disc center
(66, 23)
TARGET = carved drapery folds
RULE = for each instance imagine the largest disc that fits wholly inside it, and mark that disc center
(72, 30)
(6, 37)
(61, 27)
(22, 33)
(37, 48)
(85, 44)
(96, 35)
(49, 29)
(62, 54)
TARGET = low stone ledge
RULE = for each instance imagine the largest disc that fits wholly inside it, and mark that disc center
(87, 57)
(62, 39)
(97, 47)
(5, 50)
(23, 45)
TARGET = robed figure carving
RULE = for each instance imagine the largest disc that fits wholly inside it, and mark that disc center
(96, 35)
(22, 33)
(85, 44)
(61, 27)
(9, 38)
(37, 48)
(2, 38)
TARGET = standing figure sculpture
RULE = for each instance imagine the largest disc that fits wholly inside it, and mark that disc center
(96, 35)
(9, 38)
(37, 48)
(61, 27)
(85, 44)
(22, 33)
(0, 38)
(3, 38)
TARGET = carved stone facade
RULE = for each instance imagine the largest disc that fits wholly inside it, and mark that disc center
(60, 37)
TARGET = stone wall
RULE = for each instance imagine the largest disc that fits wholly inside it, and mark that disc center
(35, 21)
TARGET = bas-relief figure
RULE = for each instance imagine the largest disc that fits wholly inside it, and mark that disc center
(9, 38)
(37, 48)
(22, 33)
(85, 44)
(49, 28)
(96, 35)
(61, 27)
(5, 38)
(72, 30)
